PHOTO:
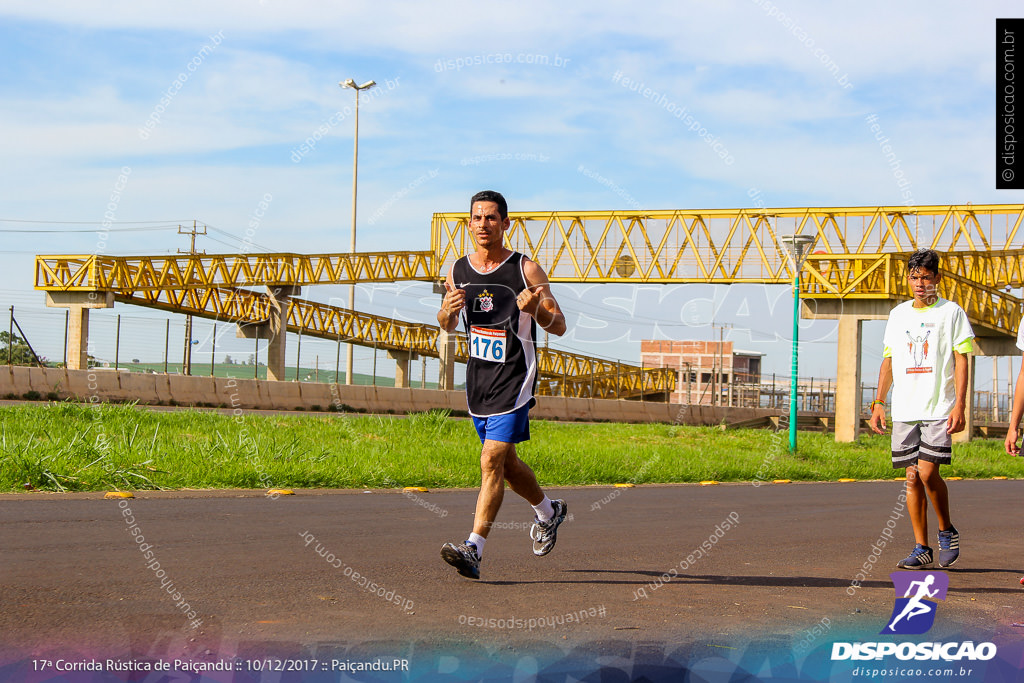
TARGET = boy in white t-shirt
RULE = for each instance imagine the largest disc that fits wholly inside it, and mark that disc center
(925, 361)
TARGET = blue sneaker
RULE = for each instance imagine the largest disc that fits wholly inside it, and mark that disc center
(544, 534)
(949, 546)
(463, 557)
(919, 558)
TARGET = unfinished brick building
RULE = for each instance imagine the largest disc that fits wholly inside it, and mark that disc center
(710, 372)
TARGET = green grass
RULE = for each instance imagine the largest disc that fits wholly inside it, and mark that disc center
(76, 447)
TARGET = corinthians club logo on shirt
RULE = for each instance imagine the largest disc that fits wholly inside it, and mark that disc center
(484, 302)
(914, 612)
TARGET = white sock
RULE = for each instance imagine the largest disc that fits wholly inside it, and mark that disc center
(478, 541)
(544, 509)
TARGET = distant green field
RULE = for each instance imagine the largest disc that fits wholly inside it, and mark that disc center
(70, 446)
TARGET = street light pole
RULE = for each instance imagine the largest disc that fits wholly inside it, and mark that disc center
(796, 245)
(349, 83)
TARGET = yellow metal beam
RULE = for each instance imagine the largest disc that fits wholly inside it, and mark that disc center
(157, 273)
(1003, 268)
(965, 280)
(727, 246)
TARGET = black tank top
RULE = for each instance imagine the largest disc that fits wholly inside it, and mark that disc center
(501, 373)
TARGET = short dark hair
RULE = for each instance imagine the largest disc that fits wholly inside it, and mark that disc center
(491, 196)
(927, 259)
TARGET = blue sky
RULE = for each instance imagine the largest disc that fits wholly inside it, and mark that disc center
(531, 98)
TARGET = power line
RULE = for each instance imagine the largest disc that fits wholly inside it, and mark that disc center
(239, 239)
(24, 220)
(93, 231)
(214, 239)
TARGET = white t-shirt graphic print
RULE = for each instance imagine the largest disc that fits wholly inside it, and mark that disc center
(921, 342)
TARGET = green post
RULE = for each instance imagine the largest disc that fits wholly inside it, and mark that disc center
(797, 245)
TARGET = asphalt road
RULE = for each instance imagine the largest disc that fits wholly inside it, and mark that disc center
(77, 582)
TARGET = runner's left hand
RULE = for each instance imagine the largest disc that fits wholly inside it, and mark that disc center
(528, 300)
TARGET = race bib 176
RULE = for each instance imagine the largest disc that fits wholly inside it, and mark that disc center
(487, 344)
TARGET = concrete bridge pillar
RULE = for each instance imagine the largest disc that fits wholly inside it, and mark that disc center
(984, 345)
(275, 329)
(848, 378)
(446, 347)
(279, 303)
(402, 360)
(78, 305)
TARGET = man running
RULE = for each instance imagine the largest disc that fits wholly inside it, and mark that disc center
(502, 297)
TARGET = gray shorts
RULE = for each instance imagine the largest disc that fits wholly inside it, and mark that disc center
(922, 440)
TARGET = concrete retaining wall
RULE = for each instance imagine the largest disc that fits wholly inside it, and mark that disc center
(107, 385)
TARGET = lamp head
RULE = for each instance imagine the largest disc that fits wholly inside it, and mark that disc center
(350, 83)
(796, 244)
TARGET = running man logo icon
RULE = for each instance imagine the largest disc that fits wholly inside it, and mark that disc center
(914, 613)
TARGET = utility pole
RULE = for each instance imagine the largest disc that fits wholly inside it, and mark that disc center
(721, 364)
(186, 361)
(995, 388)
(716, 376)
(1009, 384)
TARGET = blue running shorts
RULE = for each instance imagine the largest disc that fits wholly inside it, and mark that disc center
(511, 427)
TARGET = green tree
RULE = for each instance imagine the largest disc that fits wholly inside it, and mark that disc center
(18, 350)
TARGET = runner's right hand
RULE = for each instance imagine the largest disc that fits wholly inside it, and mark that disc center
(877, 421)
(1011, 445)
(454, 300)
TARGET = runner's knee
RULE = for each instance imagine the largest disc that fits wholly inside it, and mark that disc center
(492, 466)
(928, 472)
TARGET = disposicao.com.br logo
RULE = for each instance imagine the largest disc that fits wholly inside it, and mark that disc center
(914, 614)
